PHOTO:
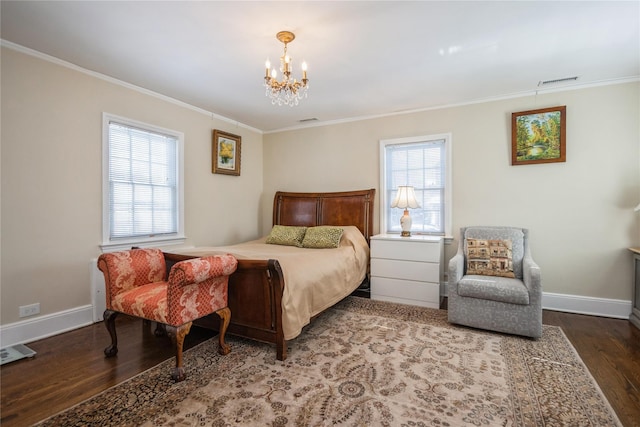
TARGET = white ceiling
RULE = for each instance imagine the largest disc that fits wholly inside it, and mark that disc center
(366, 58)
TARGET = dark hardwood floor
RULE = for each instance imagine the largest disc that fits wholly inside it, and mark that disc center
(611, 350)
(71, 367)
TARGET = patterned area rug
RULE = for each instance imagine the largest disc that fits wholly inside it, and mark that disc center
(364, 363)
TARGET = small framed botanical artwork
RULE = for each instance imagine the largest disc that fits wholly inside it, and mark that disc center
(539, 136)
(225, 153)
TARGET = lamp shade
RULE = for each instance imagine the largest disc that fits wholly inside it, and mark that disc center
(405, 198)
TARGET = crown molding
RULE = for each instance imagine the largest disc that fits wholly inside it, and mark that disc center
(62, 63)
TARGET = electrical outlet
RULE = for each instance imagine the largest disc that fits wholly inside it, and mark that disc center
(29, 310)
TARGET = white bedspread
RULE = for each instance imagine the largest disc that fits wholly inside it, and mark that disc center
(315, 279)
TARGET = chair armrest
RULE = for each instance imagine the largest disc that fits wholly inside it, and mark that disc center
(531, 274)
(198, 287)
(125, 270)
(456, 271)
(198, 270)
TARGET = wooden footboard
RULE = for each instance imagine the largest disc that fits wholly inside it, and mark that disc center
(255, 300)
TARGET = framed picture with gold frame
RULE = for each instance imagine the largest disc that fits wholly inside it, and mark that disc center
(226, 153)
(539, 136)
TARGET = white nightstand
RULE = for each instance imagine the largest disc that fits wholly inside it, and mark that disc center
(407, 270)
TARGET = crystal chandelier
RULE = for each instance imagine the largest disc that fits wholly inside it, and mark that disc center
(288, 91)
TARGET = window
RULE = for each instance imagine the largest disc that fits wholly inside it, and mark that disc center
(423, 162)
(142, 184)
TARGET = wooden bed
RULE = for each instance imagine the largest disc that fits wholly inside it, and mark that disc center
(256, 288)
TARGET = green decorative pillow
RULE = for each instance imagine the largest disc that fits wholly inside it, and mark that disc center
(489, 257)
(286, 235)
(322, 237)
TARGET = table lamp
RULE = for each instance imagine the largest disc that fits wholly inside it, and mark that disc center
(405, 198)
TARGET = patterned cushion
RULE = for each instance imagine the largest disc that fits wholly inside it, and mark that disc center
(147, 301)
(489, 257)
(322, 237)
(516, 235)
(501, 289)
(286, 235)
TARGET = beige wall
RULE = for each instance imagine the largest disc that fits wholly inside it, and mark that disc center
(580, 213)
(52, 179)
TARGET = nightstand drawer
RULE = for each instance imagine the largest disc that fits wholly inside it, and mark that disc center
(405, 291)
(406, 250)
(409, 270)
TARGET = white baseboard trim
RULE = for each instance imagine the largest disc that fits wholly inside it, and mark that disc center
(604, 307)
(29, 330)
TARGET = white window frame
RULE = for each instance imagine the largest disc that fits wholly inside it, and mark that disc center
(448, 200)
(125, 243)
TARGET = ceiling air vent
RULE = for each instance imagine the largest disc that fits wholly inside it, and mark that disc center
(556, 81)
(313, 119)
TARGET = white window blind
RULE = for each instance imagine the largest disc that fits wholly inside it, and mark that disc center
(421, 162)
(143, 183)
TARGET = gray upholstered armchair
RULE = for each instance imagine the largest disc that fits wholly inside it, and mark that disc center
(494, 283)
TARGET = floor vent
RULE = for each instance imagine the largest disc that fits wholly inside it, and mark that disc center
(556, 81)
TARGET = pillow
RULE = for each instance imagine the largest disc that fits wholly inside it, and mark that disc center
(516, 235)
(322, 237)
(489, 257)
(286, 235)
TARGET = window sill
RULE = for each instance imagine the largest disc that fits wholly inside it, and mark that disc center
(143, 243)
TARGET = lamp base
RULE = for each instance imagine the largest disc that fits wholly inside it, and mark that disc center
(405, 224)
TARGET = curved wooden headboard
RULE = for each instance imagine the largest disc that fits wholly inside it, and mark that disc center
(338, 208)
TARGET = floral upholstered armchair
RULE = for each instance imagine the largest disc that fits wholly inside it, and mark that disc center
(494, 283)
(137, 285)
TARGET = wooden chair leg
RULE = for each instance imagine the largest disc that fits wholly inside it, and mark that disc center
(225, 318)
(177, 335)
(109, 317)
